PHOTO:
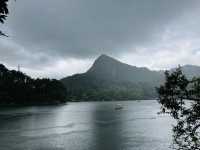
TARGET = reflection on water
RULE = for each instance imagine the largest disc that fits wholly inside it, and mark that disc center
(107, 127)
(85, 126)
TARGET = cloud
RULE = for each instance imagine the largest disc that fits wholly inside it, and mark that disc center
(38, 64)
(45, 33)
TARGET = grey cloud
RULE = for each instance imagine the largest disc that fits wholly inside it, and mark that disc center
(86, 28)
(14, 55)
(46, 34)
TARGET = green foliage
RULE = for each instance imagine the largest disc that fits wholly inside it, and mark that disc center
(3, 13)
(16, 88)
(88, 88)
(174, 96)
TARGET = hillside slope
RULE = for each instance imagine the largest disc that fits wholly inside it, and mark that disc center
(110, 79)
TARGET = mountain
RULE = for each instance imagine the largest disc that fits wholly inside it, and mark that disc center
(110, 79)
(191, 71)
(108, 68)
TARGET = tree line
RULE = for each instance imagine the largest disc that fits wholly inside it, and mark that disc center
(87, 88)
(16, 88)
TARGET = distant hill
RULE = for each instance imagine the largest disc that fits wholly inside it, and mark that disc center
(110, 79)
(191, 71)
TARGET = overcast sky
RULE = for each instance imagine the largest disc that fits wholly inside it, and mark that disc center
(57, 38)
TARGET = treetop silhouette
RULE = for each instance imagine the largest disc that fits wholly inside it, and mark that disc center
(180, 97)
(3, 13)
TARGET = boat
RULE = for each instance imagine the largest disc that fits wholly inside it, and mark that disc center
(118, 107)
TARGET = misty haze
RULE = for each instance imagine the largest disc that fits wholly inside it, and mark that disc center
(99, 75)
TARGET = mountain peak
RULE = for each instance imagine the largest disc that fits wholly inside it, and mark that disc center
(111, 79)
(108, 68)
(104, 57)
(103, 62)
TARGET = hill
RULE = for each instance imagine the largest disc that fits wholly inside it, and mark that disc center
(110, 79)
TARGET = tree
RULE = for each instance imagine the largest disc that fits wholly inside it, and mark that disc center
(16, 88)
(3, 13)
(180, 97)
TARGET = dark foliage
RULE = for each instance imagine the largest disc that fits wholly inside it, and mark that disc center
(3, 13)
(16, 88)
(180, 97)
(92, 89)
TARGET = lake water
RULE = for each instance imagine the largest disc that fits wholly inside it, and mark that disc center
(86, 126)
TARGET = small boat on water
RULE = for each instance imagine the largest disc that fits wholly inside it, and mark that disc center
(118, 107)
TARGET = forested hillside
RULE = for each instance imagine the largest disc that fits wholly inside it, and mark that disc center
(110, 79)
(16, 88)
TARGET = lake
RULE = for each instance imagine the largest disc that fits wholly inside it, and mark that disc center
(86, 126)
